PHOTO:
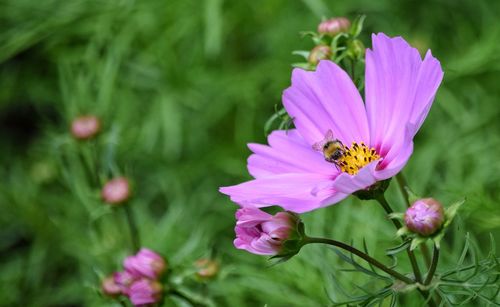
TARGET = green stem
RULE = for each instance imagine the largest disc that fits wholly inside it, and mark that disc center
(432, 269)
(134, 233)
(413, 260)
(186, 298)
(362, 255)
(402, 184)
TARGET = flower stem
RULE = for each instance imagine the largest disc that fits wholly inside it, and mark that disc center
(402, 184)
(413, 260)
(134, 233)
(362, 255)
(432, 269)
(186, 298)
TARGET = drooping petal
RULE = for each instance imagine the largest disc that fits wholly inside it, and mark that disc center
(400, 89)
(348, 184)
(287, 153)
(297, 192)
(326, 99)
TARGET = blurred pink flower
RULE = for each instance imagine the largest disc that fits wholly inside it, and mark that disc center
(376, 138)
(261, 233)
(110, 287)
(146, 263)
(116, 191)
(425, 216)
(85, 127)
(123, 280)
(145, 291)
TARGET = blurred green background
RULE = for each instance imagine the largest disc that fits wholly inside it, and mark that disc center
(181, 87)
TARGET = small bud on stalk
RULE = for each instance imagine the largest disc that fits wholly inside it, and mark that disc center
(424, 217)
(145, 291)
(116, 191)
(145, 263)
(206, 268)
(110, 287)
(264, 234)
(334, 26)
(318, 53)
(85, 127)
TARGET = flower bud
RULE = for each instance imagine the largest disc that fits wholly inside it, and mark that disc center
(264, 234)
(334, 26)
(146, 263)
(356, 49)
(85, 127)
(145, 291)
(116, 191)
(318, 53)
(123, 280)
(425, 216)
(206, 268)
(110, 287)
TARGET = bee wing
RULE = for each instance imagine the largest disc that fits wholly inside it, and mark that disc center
(319, 145)
(329, 136)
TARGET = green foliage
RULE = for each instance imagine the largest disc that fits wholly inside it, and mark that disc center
(181, 87)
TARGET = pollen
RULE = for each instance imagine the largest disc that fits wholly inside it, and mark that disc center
(356, 157)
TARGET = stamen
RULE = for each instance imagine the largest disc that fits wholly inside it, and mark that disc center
(356, 157)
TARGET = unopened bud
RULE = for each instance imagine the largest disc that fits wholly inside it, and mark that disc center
(146, 263)
(318, 53)
(206, 268)
(334, 26)
(116, 191)
(110, 287)
(425, 216)
(356, 49)
(85, 127)
(264, 234)
(145, 291)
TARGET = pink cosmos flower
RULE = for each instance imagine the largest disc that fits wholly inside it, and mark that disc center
(146, 263)
(145, 291)
(261, 233)
(342, 145)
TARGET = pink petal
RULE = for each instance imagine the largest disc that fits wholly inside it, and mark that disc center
(294, 192)
(348, 184)
(287, 153)
(400, 88)
(326, 99)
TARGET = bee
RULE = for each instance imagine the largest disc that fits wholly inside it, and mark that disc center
(332, 148)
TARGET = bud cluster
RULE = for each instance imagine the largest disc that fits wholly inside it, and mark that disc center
(335, 40)
(140, 279)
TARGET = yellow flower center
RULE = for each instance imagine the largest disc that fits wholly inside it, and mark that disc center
(356, 157)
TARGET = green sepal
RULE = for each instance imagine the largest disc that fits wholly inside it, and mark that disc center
(357, 26)
(374, 191)
(294, 243)
(449, 215)
(417, 241)
(302, 53)
(403, 231)
(303, 65)
(412, 197)
(396, 216)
